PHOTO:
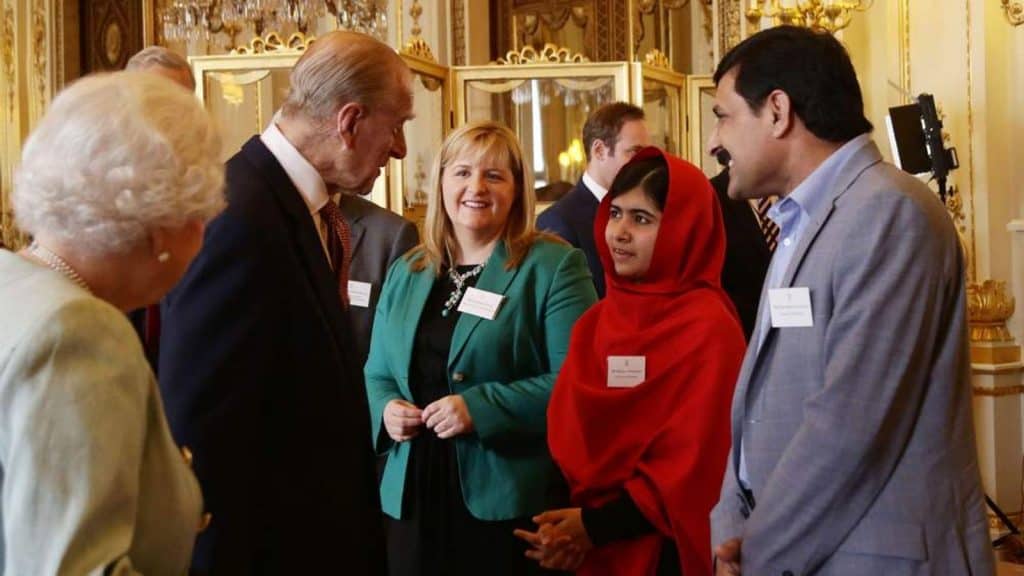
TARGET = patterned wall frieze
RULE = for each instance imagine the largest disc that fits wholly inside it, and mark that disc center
(619, 49)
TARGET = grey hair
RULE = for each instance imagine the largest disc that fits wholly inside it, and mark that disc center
(116, 156)
(343, 67)
(158, 56)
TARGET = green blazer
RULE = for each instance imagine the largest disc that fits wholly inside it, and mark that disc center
(503, 368)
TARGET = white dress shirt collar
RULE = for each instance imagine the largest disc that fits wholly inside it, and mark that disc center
(596, 189)
(302, 174)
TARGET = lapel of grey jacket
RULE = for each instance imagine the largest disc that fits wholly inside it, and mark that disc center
(353, 211)
(865, 157)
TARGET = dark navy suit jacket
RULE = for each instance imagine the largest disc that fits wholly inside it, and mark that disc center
(572, 218)
(258, 377)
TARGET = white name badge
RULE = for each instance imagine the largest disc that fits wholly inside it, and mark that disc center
(481, 303)
(626, 371)
(790, 307)
(359, 293)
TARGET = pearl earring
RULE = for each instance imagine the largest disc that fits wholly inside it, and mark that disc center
(163, 257)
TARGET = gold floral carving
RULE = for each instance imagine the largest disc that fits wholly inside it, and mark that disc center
(39, 47)
(419, 48)
(657, 59)
(7, 53)
(988, 309)
(549, 54)
(272, 42)
(1014, 12)
(459, 32)
(729, 25)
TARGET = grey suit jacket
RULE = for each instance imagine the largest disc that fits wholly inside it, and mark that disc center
(858, 432)
(379, 237)
(92, 482)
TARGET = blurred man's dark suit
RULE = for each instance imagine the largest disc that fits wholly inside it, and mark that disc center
(746, 253)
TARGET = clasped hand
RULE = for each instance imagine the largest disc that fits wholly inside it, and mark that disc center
(447, 417)
(561, 541)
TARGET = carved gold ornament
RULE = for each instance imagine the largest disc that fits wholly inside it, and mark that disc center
(657, 59)
(988, 309)
(828, 15)
(39, 47)
(7, 53)
(549, 54)
(1014, 12)
(272, 42)
(417, 46)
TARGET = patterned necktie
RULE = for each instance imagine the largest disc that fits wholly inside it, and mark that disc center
(339, 246)
(768, 227)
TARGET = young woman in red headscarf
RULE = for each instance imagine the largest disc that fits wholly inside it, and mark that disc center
(639, 418)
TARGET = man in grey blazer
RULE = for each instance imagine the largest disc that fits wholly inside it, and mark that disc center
(379, 237)
(853, 444)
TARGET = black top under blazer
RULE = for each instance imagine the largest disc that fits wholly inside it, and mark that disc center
(258, 379)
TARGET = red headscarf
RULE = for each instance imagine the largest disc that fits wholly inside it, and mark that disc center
(664, 441)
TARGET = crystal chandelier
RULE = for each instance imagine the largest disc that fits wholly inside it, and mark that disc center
(828, 15)
(188, 20)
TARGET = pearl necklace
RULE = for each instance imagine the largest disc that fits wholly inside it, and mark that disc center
(57, 264)
(459, 279)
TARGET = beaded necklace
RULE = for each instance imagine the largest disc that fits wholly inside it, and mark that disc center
(459, 279)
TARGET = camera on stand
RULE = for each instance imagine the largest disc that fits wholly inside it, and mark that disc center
(915, 133)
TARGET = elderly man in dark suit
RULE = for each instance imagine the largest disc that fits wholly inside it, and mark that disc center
(260, 368)
(853, 442)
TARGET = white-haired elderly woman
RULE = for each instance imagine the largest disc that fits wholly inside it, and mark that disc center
(115, 185)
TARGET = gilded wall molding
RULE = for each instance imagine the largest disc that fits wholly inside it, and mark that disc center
(272, 42)
(39, 50)
(972, 264)
(547, 55)
(730, 22)
(903, 17)
(1015, 390)
(458, 32)
(7, 53)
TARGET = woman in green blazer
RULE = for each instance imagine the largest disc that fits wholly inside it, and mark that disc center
(470, 332)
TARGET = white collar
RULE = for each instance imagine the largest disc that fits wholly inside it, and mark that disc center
(303, 175)
(596, 189)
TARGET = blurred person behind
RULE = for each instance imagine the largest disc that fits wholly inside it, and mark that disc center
(115, 185)
(170, 65)
(458, 397)
(612, 134)
(163, 61)
(639, 417)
